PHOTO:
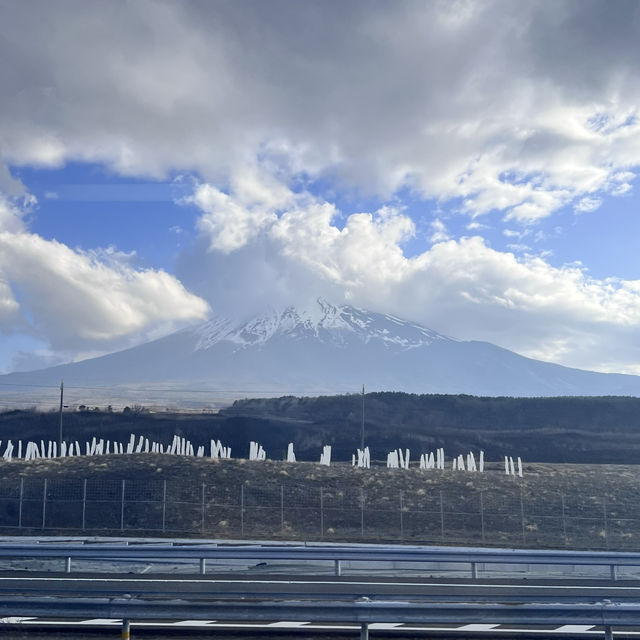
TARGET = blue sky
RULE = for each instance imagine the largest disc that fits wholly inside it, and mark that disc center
(468, 165)
(88, 206)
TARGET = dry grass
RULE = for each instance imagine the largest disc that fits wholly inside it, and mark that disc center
(554, 505)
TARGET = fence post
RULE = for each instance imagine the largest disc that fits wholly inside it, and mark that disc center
(242, 510)
(44, 502)
(282, 509)
(202, 523)
(84, 504)
(321, 512)
(164, 505)
(522, 517)
(482, 515)
(441, 516)
(20, 505)
(606, 527)
(401, 517)
(122, 507)
(361, 512)
(564, 520)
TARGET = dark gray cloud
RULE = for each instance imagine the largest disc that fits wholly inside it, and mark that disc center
(380, 94)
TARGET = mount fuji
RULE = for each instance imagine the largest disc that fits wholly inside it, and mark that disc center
(327, 349)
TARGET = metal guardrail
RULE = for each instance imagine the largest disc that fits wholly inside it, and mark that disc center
(362, 612)
(163, 552)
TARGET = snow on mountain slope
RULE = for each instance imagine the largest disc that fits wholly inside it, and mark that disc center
(326, 349)
(325, 322)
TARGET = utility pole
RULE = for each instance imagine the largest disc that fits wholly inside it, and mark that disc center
(362, 425)
(60, 414)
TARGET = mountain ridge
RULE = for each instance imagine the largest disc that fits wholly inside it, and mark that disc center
(329, 348)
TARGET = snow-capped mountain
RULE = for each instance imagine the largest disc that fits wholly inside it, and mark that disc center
(325, 322)
(328, 349)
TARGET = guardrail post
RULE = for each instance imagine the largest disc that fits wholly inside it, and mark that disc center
(203, 566)
(401, 516)
(126, 630)
(608, 635)
(321, 512)
(364, 631)
(337, 565)
(362, 514)
(441, 516)
(474, 570)
(614, 572)
(67, 565)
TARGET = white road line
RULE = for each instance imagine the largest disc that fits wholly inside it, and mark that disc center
(574, 628)
(476, 627)
(316, 582)
(391, 626)
(15, 620)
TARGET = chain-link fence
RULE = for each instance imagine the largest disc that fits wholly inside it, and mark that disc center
(497, 517)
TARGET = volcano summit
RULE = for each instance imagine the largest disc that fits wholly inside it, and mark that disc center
(328, 349)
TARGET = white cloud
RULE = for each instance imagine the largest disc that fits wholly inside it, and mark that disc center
(461, 287)
(232, 221)
(587, 204)
(488, 104)
(439, 231)
(476, 226)
(11, 215)
(76, 300)
(9, 307)
(521, 108)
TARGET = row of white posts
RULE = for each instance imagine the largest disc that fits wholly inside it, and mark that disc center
(179, 446)
(361, 459)
(510, 468)
(396, 459)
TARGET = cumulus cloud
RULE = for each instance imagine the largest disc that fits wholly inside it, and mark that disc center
(517, 107)
(231, 222)
(77, 300)
(459, 287)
